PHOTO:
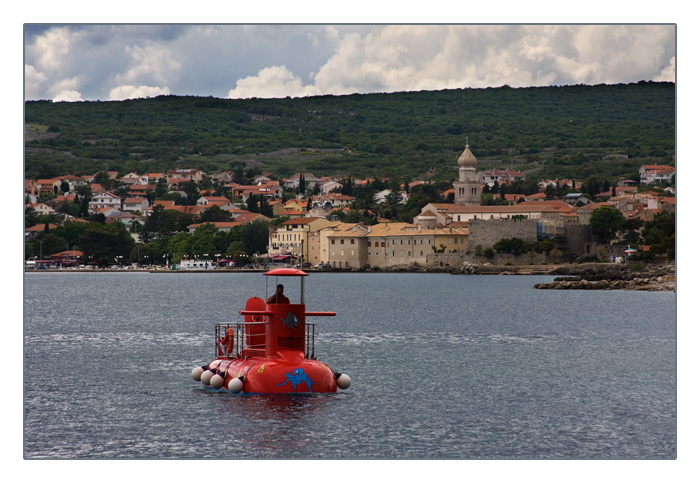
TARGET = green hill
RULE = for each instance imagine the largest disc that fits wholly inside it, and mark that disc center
(566, 132)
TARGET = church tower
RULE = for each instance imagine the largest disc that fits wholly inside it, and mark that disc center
(468, 188)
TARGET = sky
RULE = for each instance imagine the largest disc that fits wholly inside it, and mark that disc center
(76, 62)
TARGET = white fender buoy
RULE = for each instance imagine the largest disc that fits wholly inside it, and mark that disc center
(197, 373)
(206, 377)
(343, 381)
(235, 385)
(216, 381)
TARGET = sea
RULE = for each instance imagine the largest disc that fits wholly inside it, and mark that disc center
(443, 367)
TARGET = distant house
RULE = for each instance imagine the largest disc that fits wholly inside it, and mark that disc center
(140, 190)
(48, 186)
(536, 197)
(330, 201)
(67, 258)
(184, 174)
(655, 173)
(110, 212)
(576, 198)
(135, 204)
(31, 190)
(329, 185)
(218, 200)
(32, 232)
(41, 208)
(500, 176)
(381, 196)
(309, 181)
(134, 178)
(104, 199)
(269, 189)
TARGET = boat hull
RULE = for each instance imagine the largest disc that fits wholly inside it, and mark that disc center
(265, 376)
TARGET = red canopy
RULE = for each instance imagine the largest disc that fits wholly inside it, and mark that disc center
(286, 272)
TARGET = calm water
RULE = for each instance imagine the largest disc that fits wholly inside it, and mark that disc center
(465, 367)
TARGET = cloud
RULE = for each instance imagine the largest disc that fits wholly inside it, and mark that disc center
(275, 81)
(68, 95)
(33, 82)
(153, 62)
(668, 73)
(65, 90)
(52, 48)
(299, 60)
(432, 57)
(133, 92)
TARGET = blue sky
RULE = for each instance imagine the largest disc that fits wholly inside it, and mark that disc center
(73, 62)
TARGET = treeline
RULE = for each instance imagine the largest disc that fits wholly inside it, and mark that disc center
(165, 238)
(566, 132)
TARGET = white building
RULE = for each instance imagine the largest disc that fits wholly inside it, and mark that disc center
(655, 173)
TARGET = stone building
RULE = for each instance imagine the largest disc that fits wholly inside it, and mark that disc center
(468, 187)
(292, 236)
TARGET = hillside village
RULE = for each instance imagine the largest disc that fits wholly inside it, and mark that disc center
(304, 217)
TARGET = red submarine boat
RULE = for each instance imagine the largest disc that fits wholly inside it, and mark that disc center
(272, 350)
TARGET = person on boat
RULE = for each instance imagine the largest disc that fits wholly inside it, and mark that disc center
(278, 297)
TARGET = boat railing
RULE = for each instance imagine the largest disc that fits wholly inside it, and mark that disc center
(243, 335)
(310, 340)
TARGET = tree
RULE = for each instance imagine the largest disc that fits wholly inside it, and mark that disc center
(660, 233)
(105, 180)
(163, 223)
(265, 208)
(252, 204)
(605, 222)
(48, 244)
(161, 188)
(213, 214)
(255, 236)
(203, 244)
(105, 243)
(191, 191)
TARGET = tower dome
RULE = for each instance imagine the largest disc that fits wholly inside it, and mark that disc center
(467, 159)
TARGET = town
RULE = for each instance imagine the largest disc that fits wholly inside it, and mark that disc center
(187, 219)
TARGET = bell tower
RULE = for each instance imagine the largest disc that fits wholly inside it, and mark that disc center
(468, 188)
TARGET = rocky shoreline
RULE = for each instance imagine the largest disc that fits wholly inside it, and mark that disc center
(589, 276)
(659, 278)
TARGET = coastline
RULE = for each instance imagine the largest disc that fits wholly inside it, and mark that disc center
(585, 276)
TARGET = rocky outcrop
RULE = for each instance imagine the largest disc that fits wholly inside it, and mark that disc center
(613, 278)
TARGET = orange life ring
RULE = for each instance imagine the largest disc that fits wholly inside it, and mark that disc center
(228, 342)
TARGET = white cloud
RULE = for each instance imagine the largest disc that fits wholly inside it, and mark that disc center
(429, 57)
(298, 60)
(153, 61)
(33, 82)
(275, 81)
(53, 48)
(133, 92)
(668, 74)
(68, 95)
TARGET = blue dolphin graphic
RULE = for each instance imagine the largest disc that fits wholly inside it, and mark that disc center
(297, 376)
(291, 320)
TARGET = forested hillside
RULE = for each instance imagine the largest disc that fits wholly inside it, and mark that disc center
(566, 132)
